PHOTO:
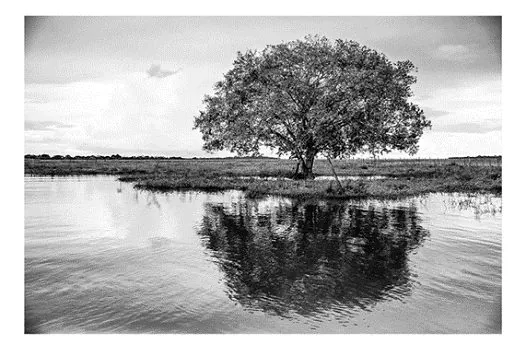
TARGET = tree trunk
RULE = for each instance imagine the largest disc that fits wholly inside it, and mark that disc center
(307, 166)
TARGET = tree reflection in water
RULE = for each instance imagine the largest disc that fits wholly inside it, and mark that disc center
(306, 258)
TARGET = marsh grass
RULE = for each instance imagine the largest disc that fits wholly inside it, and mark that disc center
(403, 178)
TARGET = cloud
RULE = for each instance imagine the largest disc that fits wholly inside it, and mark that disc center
(157, 72)
(45, 125)
(468, 128)
(431, 113)
(473, 107)
(42, 140)
(455, 53)
(126, 114)
(448, 144)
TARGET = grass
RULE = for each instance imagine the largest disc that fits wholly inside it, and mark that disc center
(403, 177)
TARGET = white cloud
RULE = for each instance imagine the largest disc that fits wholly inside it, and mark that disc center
(472, 124)
(129, 112)
(473, 101)
(45, 125)
(445, 144)
(456, 53)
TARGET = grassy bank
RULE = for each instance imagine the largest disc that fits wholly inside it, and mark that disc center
(403, 177)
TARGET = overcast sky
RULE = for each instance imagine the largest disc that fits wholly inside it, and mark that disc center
(132, 85)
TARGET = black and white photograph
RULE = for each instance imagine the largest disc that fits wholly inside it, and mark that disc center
(267, 174)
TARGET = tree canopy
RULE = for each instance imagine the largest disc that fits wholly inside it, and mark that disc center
(313, 97)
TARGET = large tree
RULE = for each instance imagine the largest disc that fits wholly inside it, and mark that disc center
(313, 97)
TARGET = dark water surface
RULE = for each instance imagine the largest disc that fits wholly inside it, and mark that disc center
(101, 257)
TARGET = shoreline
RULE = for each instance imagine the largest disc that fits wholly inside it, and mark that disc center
(398, 180)
(313, 189)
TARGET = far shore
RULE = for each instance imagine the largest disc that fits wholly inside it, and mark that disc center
(382, 179)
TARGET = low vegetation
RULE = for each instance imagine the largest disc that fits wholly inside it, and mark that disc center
(273, 176)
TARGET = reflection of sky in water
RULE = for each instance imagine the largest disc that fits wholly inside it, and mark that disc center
(102, 211)
(96, 249)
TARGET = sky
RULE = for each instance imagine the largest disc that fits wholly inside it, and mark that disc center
(133, 85)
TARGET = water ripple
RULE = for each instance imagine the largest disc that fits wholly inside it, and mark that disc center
(98, 260)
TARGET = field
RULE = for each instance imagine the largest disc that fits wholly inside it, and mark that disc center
(272, 176)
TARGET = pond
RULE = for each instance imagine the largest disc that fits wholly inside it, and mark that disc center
(102, 257)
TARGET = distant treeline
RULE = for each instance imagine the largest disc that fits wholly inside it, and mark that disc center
(477, 157)
(118, 156)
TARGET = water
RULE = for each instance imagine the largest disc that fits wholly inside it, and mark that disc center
(101, 257)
